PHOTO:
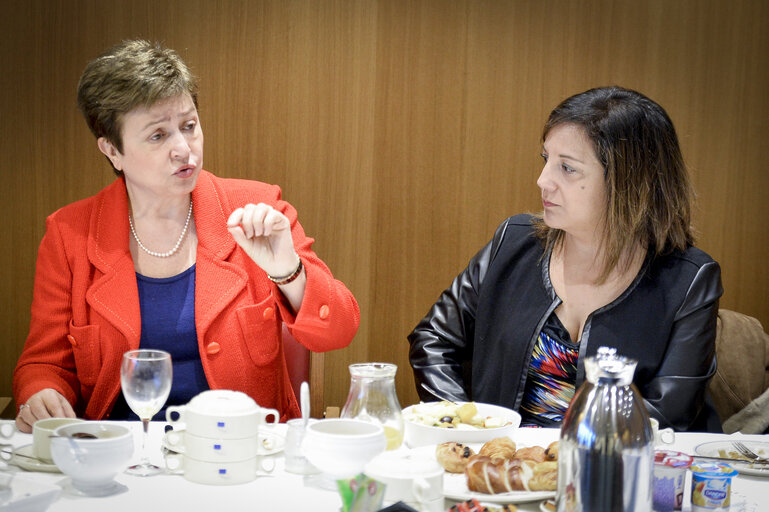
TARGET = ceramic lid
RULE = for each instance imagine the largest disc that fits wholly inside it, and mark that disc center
(223, 402)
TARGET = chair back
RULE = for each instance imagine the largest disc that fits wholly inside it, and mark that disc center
(742, 353)
(304, 365)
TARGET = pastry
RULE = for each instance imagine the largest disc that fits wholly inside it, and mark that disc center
(453, 456)
(534, 453)
(498, 449)
(551, 453)
(484, 475)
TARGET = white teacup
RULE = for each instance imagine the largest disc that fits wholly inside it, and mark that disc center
(662, 436)
(42, 430)
(218, 472)
(416, 481)
(221, 414)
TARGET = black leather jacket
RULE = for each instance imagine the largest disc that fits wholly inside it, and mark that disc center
(476, 341)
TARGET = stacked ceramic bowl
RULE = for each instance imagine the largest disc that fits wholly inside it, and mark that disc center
(218, 432)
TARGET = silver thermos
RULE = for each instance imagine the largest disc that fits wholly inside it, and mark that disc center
(606, 453)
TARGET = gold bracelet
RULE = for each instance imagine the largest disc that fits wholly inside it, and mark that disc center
(290, 277)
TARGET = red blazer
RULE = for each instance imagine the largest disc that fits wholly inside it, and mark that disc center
(85, 307)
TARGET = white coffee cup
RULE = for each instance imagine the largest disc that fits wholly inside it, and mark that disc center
(221, 414)
(7, 428)
(218, 472)
(413, 479)
(42, 430)
(662, 436)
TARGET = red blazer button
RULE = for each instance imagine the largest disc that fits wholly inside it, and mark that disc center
(268, 314)
(213, 348)
(323, 313)
(72, 340)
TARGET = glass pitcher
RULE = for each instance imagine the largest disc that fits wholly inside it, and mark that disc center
(372, 398)
(606, 453)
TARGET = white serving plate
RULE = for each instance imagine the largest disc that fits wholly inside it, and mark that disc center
(416, 434)
(714, 448)
(455, 484)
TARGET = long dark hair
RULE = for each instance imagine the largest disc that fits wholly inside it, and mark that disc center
(648, 190)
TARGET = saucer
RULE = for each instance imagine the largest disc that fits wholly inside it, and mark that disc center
(24, 457)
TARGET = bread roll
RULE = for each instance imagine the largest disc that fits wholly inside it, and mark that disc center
(483, 475)
(545, 476)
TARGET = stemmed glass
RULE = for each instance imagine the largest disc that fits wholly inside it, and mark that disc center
(145, 376)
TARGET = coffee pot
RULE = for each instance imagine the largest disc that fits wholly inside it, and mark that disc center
(606, 453)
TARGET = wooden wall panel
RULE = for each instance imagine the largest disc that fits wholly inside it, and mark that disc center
(402, 131)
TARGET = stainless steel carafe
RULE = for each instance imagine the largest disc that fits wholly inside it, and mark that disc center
(606, 452)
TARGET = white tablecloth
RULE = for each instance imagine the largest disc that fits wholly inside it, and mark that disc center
(282, 491)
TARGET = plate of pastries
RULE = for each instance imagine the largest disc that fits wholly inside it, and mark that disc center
(498, 471)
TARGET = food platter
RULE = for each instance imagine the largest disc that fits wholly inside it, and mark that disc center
(725, 449)
(419, 434)
(455, 485)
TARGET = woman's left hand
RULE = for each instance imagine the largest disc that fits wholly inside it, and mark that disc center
(265, 234)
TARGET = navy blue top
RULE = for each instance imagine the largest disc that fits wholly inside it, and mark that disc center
(167, 308)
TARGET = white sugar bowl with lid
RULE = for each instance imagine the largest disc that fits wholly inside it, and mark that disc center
(222, 414)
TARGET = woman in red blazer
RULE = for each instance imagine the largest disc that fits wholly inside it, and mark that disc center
(169, 254)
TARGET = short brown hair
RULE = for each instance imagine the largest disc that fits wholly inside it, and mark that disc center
(131, 74)
(648, 190)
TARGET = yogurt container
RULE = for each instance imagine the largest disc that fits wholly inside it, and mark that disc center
(669, 475)
(711, 486)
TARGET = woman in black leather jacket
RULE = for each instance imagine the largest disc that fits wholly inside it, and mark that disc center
(609, 262)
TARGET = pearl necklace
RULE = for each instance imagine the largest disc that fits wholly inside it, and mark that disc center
(178, 242)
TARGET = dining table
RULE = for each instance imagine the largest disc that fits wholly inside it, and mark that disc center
(280, 490)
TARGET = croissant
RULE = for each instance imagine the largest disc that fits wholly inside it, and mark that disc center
(486, 476)
(534, 453)
(453, 456)
(498, 449)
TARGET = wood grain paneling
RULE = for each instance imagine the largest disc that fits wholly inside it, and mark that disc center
(402, 131)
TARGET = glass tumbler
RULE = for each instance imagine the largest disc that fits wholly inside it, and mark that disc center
(372, 397)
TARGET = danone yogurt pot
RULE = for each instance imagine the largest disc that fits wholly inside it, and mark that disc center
(711, 486)
(669, 475)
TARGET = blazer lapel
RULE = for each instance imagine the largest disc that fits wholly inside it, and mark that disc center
(217, 281)
(114, 294)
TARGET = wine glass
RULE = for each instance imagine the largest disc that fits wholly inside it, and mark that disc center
(145, 376)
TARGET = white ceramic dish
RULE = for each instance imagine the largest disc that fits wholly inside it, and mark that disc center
(270, 443)
(455, 485)
(24, 457)
(416, 434)
(221, 413)
(92, 464)
(29, 496)
(341, 447)
(714, 449)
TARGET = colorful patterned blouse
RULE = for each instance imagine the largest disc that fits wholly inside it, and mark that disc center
(552, 376)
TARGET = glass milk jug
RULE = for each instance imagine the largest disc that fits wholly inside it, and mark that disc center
(606, 453)
(372, 398)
